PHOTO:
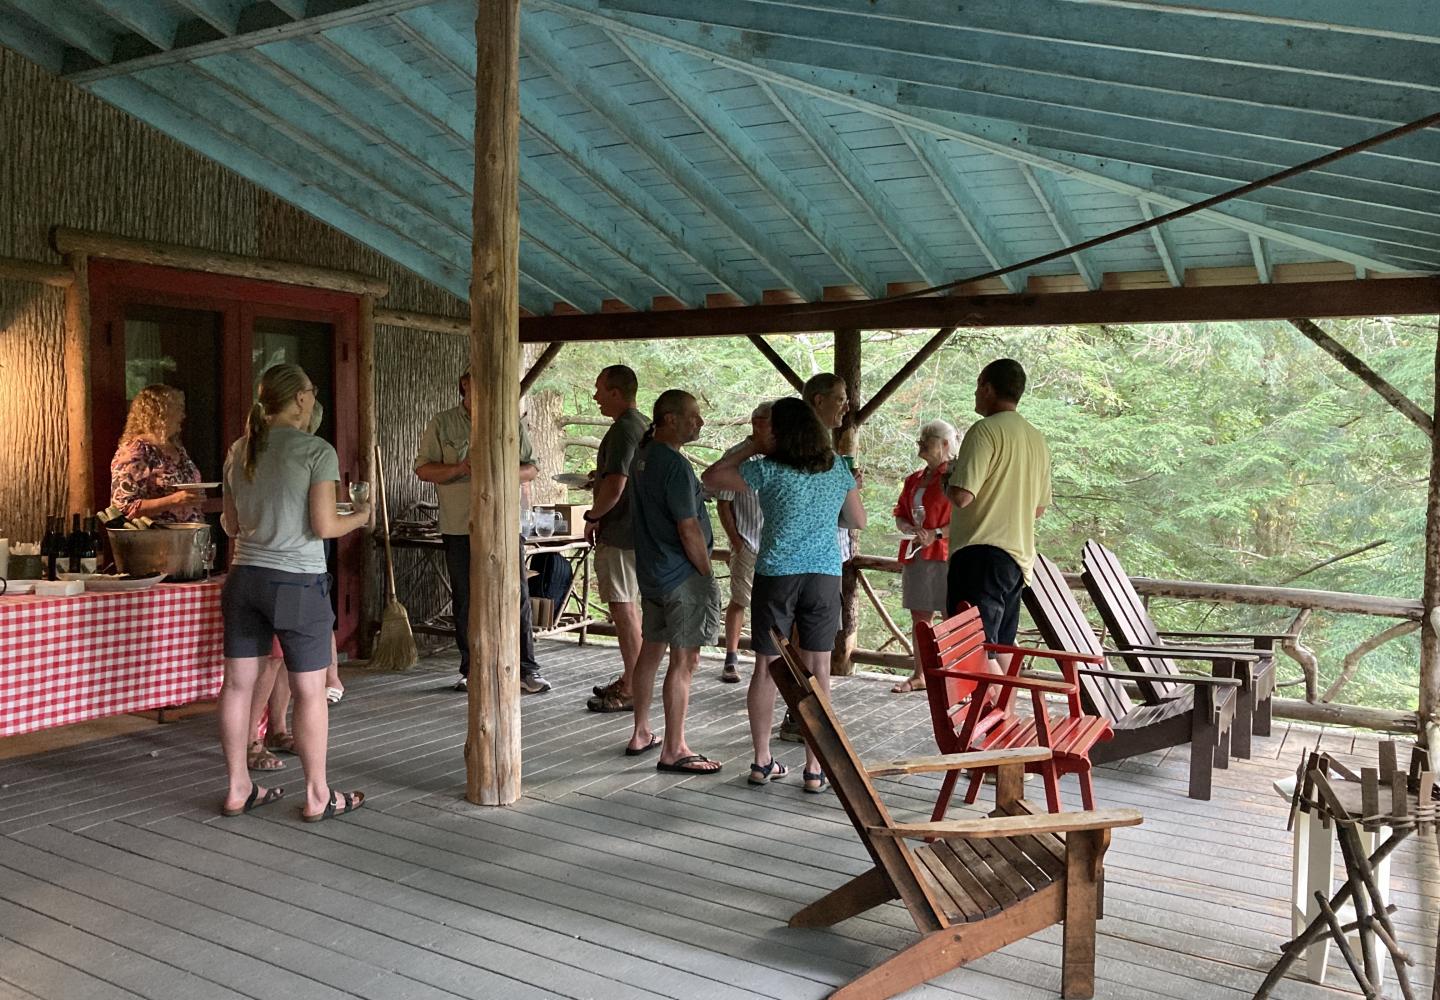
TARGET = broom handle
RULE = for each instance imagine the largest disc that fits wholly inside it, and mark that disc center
(385, 514)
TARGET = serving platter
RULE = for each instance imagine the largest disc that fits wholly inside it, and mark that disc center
(195, 487)
(103, 583)
(572, 479)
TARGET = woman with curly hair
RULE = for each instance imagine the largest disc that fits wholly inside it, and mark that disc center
(802, 486)
(151, 460)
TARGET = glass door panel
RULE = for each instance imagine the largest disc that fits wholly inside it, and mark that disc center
(306, 343)
(181, 348)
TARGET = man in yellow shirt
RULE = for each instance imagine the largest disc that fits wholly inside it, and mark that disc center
(999, 484)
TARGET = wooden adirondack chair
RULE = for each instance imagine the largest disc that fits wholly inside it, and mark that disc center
(971, 885)
(1128, 620)
(953, 656)
(1201, 716)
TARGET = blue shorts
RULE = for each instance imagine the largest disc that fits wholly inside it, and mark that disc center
(261, 605)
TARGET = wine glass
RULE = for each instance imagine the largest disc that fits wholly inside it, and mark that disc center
(359, 493)
(917, 515)
(527, 521)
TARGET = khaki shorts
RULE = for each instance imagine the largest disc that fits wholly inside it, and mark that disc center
(742, 575)
(615, 578)
(688, 616)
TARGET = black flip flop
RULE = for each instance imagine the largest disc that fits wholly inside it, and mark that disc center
(256, 800)
(353, 801)
(639, 751)
(681, 766)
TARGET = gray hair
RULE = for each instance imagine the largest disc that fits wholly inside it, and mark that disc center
(762, 410)
(944, 431)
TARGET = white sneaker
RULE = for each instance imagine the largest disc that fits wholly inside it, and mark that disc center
(460, 685)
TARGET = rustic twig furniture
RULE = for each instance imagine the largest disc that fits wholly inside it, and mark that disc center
(953, 655)
(1128, 620)
(1201, 716)
(971, 885)
(1379, 798)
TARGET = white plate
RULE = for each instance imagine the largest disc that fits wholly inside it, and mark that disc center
(19, 587)
(195, 487)
(100, 583)
(344, 508)
(572, 479)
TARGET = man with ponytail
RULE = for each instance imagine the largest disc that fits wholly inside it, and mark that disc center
(680, 601)
(280, 490)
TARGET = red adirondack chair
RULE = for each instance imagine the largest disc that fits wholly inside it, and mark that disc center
(953, 655)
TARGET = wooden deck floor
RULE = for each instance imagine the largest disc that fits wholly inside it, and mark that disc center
(118, 879)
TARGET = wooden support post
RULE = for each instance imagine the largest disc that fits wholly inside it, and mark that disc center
(903, 375)
(1430, 600)
(847, 440)
(81, 484)
(492, 743)
(1366, 374)
(365, 445)
(541, 363)
(786, 372)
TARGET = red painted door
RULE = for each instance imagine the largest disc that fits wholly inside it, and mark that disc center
(212, 336)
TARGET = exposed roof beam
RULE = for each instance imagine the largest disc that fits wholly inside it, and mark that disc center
(533, 296)
(295, 8)
(867, 94)
(73, 27)
(1054, 204)
(1261, 257)
(38, 48)
(956, 192)
(151, 21)
(556, 278)
(1007, 63)
(1213, 303)
(199, 134)
(338, 13)
(868, 193)
(222, 15)
(538, 43)
(1169, 259)
(580, 258)
(671, 76)
(1390, 20)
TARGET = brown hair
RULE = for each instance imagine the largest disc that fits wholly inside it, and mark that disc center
(1006, 377)
(622, 379)
(278, 386)
(149, 410)
(801, 441)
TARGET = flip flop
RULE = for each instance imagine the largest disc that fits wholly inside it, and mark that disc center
(638, 751)
(353, 801)
(685, 765)
(333, 695)
(908, 685)
(256, 800)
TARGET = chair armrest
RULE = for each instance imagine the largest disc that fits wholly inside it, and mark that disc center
(956, 761)
(1132, 675)
(1013, 826)
(1049, 654)
(1231, 635)
(1006, 680)
(1198, 652)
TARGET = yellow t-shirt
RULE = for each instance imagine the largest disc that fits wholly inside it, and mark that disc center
(1005, 463)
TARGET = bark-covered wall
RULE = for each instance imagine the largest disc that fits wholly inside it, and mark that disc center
(68, 159)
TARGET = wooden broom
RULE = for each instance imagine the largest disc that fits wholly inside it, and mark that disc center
(395, 645)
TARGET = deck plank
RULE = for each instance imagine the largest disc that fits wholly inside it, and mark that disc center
(608, 880)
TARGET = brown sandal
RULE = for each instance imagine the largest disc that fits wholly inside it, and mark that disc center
(257, 758)
(908, 685)
(280, 742)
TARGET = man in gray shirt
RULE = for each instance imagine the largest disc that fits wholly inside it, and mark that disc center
(680, 606)
(607, 527)
(740, 517)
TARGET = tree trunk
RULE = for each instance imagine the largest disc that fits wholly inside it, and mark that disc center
(492, 744)
(847, 442)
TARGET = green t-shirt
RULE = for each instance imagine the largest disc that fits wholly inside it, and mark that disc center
(273, 508)
(447, 440)
(1005, 463)
(617, 450)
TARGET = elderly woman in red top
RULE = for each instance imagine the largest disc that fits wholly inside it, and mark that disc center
(923, 512)
(151, 460)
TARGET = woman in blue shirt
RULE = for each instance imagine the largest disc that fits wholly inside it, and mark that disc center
(802, 486)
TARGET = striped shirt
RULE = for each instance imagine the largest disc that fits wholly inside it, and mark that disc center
(746, 508)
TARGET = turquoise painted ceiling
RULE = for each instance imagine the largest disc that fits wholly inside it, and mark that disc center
(692, 149)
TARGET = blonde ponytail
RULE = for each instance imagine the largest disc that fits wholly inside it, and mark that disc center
(278, 387)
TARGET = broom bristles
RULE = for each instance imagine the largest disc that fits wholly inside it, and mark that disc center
(395, 645)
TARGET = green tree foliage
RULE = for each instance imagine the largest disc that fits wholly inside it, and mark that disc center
(1234, 452)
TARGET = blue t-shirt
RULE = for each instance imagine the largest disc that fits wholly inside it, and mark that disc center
(663, 491)
(801, 510)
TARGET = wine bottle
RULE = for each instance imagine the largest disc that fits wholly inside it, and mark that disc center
(75, 545)
(89, 546)
(51, 545)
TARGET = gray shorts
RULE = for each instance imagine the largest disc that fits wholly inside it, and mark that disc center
(808, 602)
(688, 616)
(261, 605)
(922, 585)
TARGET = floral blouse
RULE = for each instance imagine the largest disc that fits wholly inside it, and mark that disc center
(143, 471)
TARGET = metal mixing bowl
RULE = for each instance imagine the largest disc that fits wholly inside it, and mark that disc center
(177, 550)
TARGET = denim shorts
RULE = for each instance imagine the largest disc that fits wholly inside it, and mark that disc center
(261, 605)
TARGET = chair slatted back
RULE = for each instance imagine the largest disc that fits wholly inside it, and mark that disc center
(852, 785)
(1125, 616)
(957, 643)
(1062, 625)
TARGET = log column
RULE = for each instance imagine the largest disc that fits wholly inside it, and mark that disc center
(81, 478)
(492, 744)
(847, 442)
(365, 445)
(1429, 626)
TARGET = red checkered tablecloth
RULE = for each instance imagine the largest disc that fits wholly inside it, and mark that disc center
(69, 659)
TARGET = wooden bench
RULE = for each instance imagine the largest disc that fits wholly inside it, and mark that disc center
(958, 684)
